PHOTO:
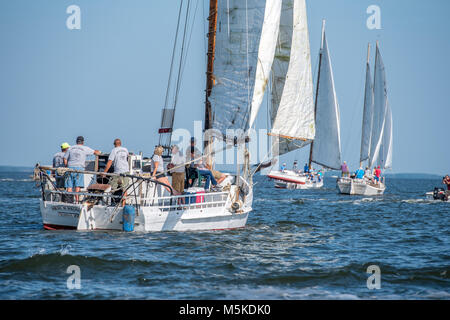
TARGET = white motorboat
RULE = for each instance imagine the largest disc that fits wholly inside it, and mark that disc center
(439, 194)
(376, 138)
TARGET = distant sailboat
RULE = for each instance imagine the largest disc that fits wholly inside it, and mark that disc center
(376, 137)
(325, 148)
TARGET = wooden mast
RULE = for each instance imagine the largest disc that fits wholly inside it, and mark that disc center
(317, 90)
(212, 18)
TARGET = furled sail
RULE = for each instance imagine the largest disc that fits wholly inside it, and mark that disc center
(293, 111)
(266, 52)
(327, 142)
(367, 115)
(379, 110)
(238, 31)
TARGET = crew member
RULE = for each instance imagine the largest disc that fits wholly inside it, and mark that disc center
(75, 158)
(58, 162)
(119, 159)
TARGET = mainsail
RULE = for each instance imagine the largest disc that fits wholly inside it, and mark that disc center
(381, 112)
(266, 54)
(326, 148)
(367, 114)
(292, 111)
(238, 31)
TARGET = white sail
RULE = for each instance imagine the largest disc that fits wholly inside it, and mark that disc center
(385, 154)
(295, 114)
(279, 72)
(327, 142)
(238, 31)
(367, 117)
(266, 52)
(379, 109)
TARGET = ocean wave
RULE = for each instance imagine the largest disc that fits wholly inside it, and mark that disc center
(63, 259)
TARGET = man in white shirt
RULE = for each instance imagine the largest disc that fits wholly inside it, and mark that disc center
(119, 158)
(75, 158)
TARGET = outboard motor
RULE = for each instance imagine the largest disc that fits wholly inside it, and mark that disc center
(439, 194)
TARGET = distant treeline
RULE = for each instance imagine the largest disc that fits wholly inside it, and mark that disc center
(15, 169)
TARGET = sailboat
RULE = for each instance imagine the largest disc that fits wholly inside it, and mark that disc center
(376, 137)
(240, 37)
(325, 147)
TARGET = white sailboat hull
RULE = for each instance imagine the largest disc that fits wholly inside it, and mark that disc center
(359, 187)
(291, 180)
(189, 212)
(79, 217)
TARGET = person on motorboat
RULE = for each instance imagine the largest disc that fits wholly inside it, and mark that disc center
(58, 162)
(345, 170)
(119, 157)
(75, 158)
(359, 174)
(446, 181)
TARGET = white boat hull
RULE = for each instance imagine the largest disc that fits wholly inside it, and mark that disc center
(359, 187)
(204, 211)
(56, 215)
(291, 180)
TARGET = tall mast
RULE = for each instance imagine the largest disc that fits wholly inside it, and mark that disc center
(317, 89)
(367, 63)
(212, 18)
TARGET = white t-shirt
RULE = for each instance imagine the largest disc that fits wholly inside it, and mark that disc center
(119, 157)
(76, 155)
(178, 160)
(160, 161)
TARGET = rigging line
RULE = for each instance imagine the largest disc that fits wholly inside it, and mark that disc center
(189, 42)
(181, 56)
(173, 55)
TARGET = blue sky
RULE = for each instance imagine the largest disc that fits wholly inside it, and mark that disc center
(109, 79)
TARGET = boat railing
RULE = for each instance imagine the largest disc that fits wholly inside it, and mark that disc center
(188, 201)
(151, 199)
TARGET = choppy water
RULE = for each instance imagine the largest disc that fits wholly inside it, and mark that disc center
(297, 245)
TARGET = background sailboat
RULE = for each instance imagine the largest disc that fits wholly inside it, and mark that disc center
(325, 148)
(376, 137)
